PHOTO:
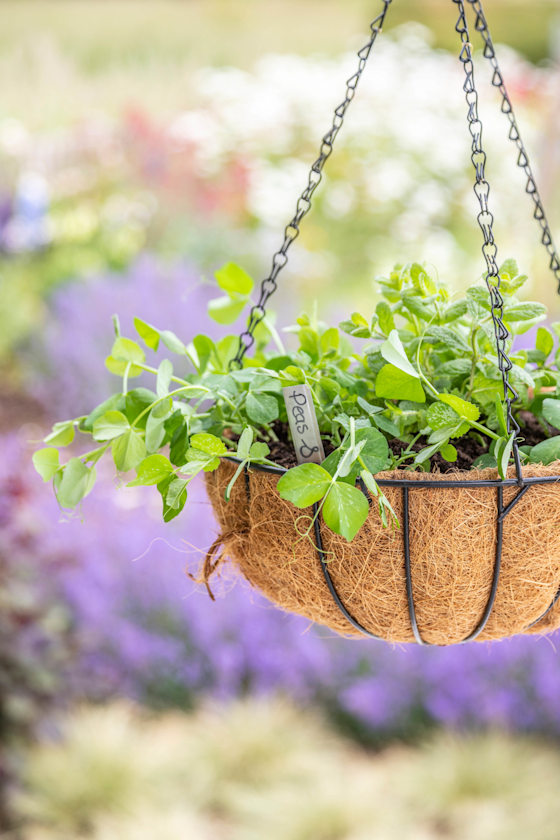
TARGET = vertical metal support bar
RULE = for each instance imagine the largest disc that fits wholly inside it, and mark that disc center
(329, 580)
(407, 569)
(497, 567)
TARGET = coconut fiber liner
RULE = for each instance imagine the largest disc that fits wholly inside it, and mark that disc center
(452, 551)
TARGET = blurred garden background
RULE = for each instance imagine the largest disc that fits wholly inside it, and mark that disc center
(143, 143)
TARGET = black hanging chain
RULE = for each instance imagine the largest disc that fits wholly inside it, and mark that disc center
(523, 162)
(268, 287)
(486, 221)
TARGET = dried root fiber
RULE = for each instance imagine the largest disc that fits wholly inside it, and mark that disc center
(452, 547)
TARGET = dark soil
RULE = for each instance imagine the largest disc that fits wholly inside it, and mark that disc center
(468, 448)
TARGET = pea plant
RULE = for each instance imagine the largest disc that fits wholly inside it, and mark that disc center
(421, 371)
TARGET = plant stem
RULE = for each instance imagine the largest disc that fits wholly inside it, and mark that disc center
(161, 399)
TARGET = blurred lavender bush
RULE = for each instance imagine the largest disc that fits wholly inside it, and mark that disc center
(37, 639)
(147, 631)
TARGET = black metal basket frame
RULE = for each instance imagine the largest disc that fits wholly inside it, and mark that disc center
(489, 249)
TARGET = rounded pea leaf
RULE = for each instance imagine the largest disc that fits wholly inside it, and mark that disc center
(441, 416)
(77, 481)
(393, 352)
(118, 367)
(177, 493)
(546, 452)
(110, 425)
(164, 374)
(345, 510)
(115, 403)
(262, 408)
(126, 350)
(551, 412)
(210, 444)
(46, 462)
(148, 333)
(234, 280)
(304, 485)
(226, 310)
(152, 470)
(449, 453)
(395, 384)
(61, 435)
(128, 451)
(466, 410)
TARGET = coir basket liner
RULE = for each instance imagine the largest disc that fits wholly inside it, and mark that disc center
(453, 537)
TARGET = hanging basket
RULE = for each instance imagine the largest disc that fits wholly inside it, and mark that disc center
(475, 557)
(457, 569)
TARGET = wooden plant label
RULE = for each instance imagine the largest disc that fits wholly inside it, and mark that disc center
(303, 424)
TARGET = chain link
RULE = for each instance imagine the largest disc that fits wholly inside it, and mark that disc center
(486, 221)
(481, 26)
(268, 287)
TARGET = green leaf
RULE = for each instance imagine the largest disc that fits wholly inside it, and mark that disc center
(546, 452)
(173, 343)
(77, 481)
(210, 444)
(46, 462)
(262, 408)
(393, 383)
(164, 374)
(155, 429)
(245, 443)
(119, 367)
(304, 485)
(163, 409)
(234, 280)
(128, 451)
(394, 353)
(179, 444)
(449, 453)
(236, 475)
(441, 416)
(169, 512)
(386, 425)
(61, 435)
(345, 510)
(152, 470)
(110, 425)
(455, 311)
(510, 268)
(137, 401)
(504, 454)
(356, 326)
(523, 311)
(551, 412)
(376, 449)
(226, 310)
(455, 367)
(481, 296)
(177, 494)
(148, 333)
(451, 339)
(114, 403)
(466, 410)
(259, 451)
(483, 462)
(126, 350)
(386, 320)
(204, 348)
(501, 415)
(545, 341)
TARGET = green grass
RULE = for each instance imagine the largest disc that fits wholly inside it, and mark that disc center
(100, 34)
